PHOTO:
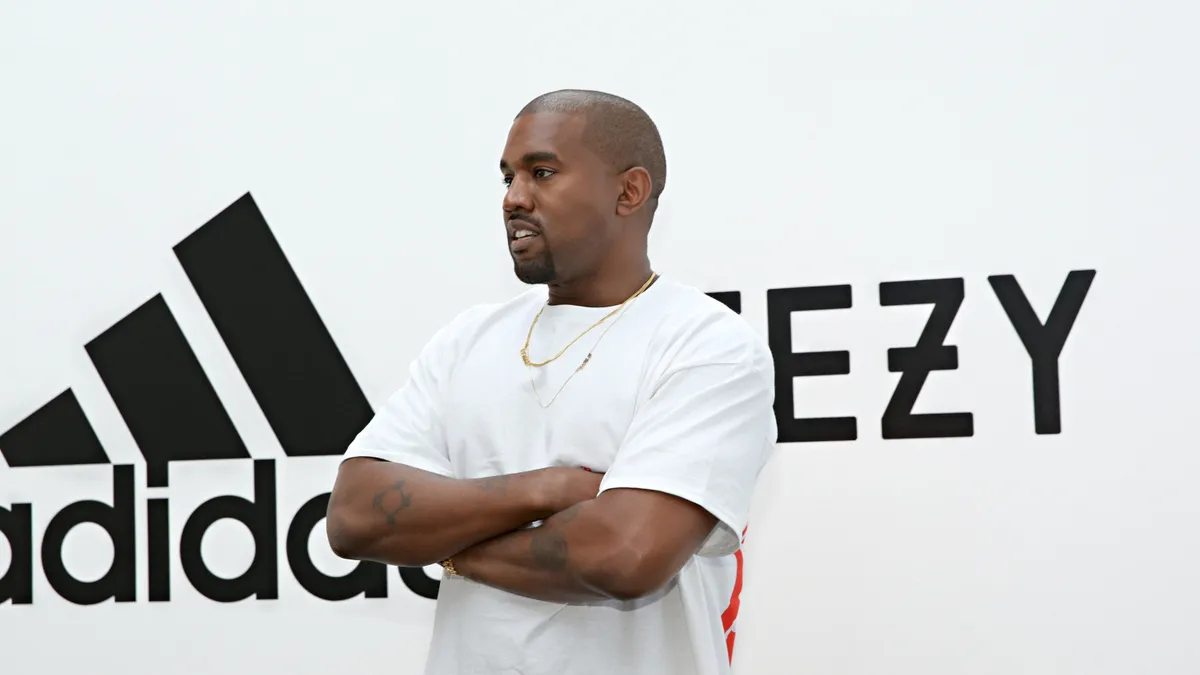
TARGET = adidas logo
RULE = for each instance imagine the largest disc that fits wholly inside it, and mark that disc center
(294, 370)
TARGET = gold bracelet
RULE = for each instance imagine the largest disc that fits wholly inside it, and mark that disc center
(448, 565)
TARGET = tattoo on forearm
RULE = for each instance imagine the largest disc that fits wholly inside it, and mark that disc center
(391, 501)
(548, 549)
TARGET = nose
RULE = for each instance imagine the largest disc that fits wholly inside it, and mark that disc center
(518, 197)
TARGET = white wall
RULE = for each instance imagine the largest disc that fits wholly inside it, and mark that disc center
(855, 142)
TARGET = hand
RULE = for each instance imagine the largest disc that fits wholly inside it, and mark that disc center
(565, 487)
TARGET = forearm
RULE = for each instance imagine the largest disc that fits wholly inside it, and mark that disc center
(398, 515)
(573, 557)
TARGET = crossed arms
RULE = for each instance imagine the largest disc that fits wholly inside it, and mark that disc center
(622, 544)
(705, 433)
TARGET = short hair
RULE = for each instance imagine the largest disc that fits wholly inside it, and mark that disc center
(617, 130)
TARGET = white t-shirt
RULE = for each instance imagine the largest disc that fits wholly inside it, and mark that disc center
(677, 397)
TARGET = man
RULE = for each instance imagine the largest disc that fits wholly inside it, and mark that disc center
(580, 459)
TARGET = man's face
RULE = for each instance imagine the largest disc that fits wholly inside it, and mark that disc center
(559, 200)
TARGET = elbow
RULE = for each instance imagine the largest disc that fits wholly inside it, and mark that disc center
(344, 524)
(345, 539)
(626, 573)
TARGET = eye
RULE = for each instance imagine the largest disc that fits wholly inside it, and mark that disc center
(542, 173)
(507, 181)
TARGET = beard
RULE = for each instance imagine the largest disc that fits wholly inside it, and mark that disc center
(540, 270)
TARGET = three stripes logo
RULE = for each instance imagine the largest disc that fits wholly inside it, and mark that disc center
(292, 367)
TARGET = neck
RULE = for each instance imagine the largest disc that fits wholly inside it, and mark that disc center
(609, 286)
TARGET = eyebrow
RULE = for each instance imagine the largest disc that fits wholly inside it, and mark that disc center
(532, 158)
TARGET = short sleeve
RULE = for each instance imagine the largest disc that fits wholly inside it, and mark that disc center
(704, 435)
(409, 428)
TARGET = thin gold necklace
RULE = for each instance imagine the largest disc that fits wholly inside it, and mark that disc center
(529, 336)
(587, 359)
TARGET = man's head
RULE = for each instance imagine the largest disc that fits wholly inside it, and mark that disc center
(584, 171)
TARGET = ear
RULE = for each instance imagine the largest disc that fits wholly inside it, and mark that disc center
(635, 187)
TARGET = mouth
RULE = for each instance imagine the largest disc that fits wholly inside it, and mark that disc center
(521, 236)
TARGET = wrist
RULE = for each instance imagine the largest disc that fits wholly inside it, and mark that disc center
(450, 568)
(462, 563)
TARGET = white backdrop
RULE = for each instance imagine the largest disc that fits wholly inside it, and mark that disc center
(809, 144)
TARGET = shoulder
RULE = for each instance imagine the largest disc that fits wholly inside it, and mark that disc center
(453, 339)
(696, 329)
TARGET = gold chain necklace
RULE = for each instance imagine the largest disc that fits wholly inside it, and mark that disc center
(587, 359)
(529, 337)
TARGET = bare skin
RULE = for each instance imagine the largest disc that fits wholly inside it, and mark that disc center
(623, 545)
(399, 515)
(590, 223)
